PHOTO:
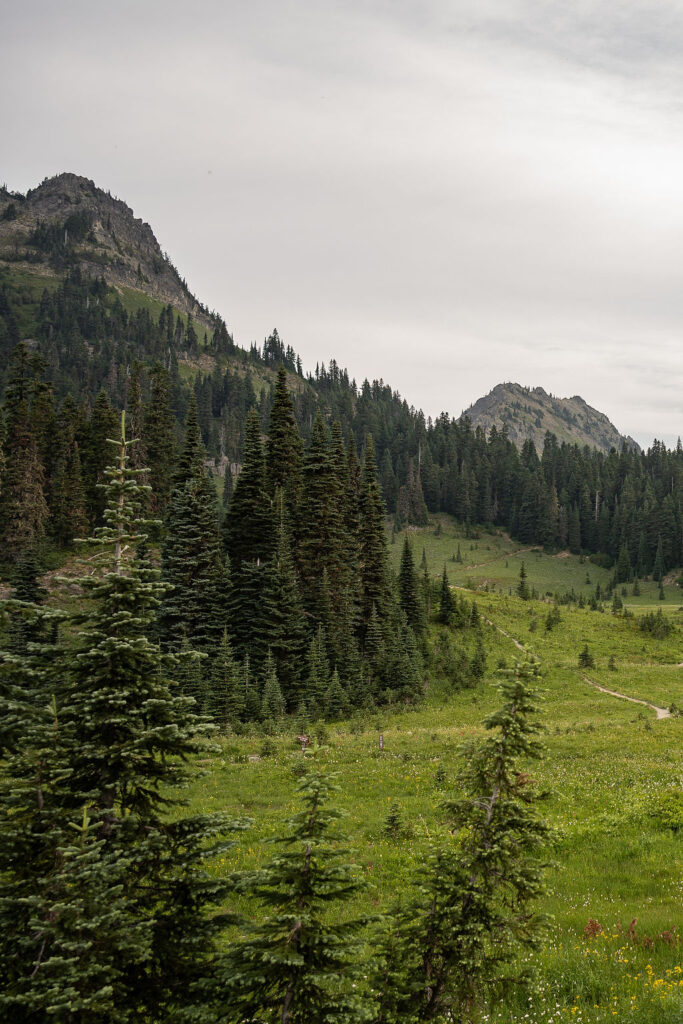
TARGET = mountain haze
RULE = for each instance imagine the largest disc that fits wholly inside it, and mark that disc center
(530, 413)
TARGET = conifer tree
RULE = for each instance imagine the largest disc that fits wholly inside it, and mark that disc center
(225, 702)
(194, 603)
(272, 701)
(252, 702)
(658, 567)
(23, 508)
(373, 638)
(120, 737)
(297, 966)
(284, 446)
(25, 625)
(455, 947)
(288, 632)
(251, 616)
(101, 427)
(446, 600)
(336, 703)
(317, 671)
(478, 663)
(426, 593)
(321, 533)
(372, 541)
(135, 411)
(353, 485)
(622, 572)
(409, 678)
(523, 586)
(189, 674)
(248, 528)
(159, 439)
(68, 517)
(408, 593)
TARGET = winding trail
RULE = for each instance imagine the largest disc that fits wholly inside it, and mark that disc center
(659, 712)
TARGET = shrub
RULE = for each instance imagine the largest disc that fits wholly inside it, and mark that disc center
(656, 624)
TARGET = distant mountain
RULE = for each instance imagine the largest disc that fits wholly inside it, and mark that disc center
(67, 221)
(530, 413)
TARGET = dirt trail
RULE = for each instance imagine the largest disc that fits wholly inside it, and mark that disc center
(498, 558)
(660, 712)
(520, 647)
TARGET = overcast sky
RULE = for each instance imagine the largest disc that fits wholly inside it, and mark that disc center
(444, 193)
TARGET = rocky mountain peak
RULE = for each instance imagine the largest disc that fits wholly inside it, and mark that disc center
(529, 413)
(68, 221)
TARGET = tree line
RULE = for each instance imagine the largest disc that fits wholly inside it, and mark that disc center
(624, 506)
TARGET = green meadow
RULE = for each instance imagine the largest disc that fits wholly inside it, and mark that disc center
(614, 776)
(491, 559)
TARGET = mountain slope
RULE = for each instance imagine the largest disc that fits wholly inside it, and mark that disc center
(67, 221)
(530, 413)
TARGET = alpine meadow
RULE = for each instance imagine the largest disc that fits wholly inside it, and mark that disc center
(314, 708)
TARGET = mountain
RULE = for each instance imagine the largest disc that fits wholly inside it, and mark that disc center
(67, 222)
(529, 413)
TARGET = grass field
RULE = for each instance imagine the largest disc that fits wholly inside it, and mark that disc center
(615, 776)
(491, 559)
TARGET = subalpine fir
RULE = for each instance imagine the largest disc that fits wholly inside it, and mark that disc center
(248, 528)
(284, 448)
(374, 575)
(192, 567)
(456, 947)
(120, 735)
(23, 508)
(300, 964)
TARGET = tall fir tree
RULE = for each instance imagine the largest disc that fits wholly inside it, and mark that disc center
(284, 448)
(135, 411)
(455, 948)
(102, 427)
(288, 629)
(225, 690)
(321, 533)
(372, 541)
(248, 527)
(159, 439)
(445, 600)
(408, 590)
(119, 738)
(194, 603)
(23, 508)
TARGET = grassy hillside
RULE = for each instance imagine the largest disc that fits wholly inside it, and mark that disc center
(493, 560)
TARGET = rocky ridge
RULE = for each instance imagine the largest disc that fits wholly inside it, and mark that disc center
(528, 413)
(68, 221)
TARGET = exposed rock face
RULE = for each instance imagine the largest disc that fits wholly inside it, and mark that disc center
(530, 413)
(68, 221)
